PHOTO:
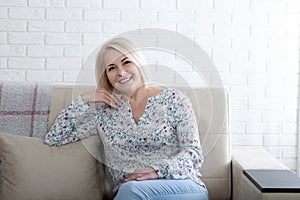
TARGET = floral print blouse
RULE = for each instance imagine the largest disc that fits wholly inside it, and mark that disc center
(165, 138)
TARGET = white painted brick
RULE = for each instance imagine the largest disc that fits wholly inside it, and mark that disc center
(13, 3)
(234, 30)
(247, 139)
(220, 5)
(45, 51)
(265, 79)
(282, 91)
(158, 4)
(291, 103)
(229, 53)
(291, 79)
(12, 75)
(70, 76)
(102, 14)
(266, 5)
(195, 5)
(26, 63)
(212, 41)
(83, 3)
(120, 4)
(272, 139)
(291, 163)
(139, 16)
(12, 25)
(243, 65)
(158, 25)
(46, 26)
(265, 103)
(12, 50)
(3, 63)
(26, 13)
(118, 27)
(275, 151)
(222, 65)
(63, 14)
(289, 128)
(195, 28)
(94, 38)
(44, 75)
(263, 127)
(172, 64)
(266, 31)
(238, 127)
(213, 17)
(239, 103)
(289, 152)
(63, 38)
(182, 45)
(276, 65)
(192, 79)
(45, 3)
(80, 77)
(3, 13)
(163, 78)
(258, 18)
(177, 16)
(83, 26)
(245, 91)
(3, 38)
(276, 139)
(258, 54)
(25, 38)
(232, 79)
(293, 6)
(63, 63)
(277, 18)
(249, 43)
(246, 116)
(78, 51)
(287, 115)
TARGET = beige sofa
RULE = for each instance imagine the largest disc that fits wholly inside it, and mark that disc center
(223, 166)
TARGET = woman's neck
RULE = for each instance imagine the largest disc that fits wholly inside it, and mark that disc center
(138, 94)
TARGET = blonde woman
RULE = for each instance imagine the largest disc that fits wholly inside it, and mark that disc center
(150, 134)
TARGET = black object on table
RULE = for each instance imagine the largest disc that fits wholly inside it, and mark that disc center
(274, 181)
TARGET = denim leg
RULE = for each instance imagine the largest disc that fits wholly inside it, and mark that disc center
(162, 189)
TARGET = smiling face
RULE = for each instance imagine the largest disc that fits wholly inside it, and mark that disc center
(122, 73)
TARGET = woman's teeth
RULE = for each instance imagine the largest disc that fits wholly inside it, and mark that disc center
(124, 80)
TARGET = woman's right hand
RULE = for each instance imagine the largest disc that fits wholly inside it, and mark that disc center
(101, 95)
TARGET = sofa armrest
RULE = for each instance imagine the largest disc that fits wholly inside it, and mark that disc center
(248, 158)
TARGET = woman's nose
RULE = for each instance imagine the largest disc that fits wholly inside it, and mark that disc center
(122, 72)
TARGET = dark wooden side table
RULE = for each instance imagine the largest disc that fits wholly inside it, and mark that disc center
(275, 184)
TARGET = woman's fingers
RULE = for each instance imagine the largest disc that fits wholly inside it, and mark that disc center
(111, 97)
(142, 174)
(101, 95)
(147, 176)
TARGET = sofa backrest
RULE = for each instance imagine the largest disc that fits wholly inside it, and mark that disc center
(211, 106)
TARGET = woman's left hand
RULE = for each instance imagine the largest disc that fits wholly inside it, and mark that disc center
(143, 174)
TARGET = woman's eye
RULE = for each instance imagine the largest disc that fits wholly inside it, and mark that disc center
(111, 68)
(126, 62)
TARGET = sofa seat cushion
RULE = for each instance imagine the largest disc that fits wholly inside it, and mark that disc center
(32, 170)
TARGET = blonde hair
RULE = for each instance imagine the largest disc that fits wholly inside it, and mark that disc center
(125, 47)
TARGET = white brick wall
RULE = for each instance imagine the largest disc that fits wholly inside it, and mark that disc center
(251, 42)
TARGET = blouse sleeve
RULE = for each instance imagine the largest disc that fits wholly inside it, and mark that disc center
(187, 162)
(74, 123)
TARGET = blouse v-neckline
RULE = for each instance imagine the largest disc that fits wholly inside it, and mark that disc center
(149, 100)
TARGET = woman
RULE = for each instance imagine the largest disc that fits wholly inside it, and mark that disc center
(150, 134)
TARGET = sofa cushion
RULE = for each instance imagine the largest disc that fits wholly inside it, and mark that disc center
(32, 170)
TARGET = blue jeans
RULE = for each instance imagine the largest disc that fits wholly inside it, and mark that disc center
(166, 189)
